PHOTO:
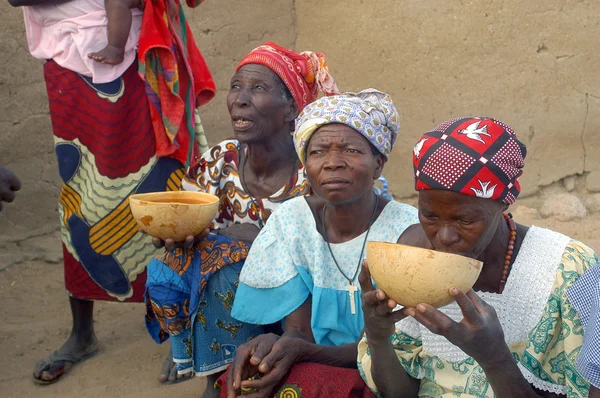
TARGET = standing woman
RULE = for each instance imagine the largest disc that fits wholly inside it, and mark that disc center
(111, 142)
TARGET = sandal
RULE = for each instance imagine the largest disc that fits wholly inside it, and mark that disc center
(69, 359)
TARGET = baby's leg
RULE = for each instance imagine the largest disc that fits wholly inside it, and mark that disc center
(118, 13)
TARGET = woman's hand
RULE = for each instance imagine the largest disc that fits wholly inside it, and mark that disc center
(378, 309)
(170, 245)
(9, 184)
(268, 354)
(479, 334)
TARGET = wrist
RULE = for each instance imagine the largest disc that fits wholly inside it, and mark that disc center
(498, 361)
(376, 340)
(304, 349)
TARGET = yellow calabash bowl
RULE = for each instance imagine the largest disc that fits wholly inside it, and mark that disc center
(412, 275)
(173, 215)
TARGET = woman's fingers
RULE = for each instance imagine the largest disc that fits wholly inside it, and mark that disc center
(433, 319)
(364, 278)
(466, 305)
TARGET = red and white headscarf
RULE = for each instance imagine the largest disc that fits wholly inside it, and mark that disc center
(304, 74)
(474, 156)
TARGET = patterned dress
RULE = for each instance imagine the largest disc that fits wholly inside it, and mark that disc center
(189, 294)
(541, 328)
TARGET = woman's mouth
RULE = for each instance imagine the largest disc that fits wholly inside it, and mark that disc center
(241, 123)
(335, 183)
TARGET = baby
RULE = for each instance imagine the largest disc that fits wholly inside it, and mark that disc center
(118, 14)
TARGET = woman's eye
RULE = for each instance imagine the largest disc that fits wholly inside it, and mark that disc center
(317, 152)
(349, 150)
(465, 222)
(259, 87)
(235, 86)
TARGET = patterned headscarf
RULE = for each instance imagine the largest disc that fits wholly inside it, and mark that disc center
(303, 74)
(474, 156)
(370, 112)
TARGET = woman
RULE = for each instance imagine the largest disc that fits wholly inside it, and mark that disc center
(189, 294)
(519, 335)
(114, 135)
(585, 298)
(303, 266)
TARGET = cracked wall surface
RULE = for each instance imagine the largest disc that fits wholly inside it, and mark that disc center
(532, 64)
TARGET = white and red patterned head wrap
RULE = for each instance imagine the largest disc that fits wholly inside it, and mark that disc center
(304, 74)
(474, 156)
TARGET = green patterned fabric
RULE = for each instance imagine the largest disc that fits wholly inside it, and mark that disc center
(546, 358)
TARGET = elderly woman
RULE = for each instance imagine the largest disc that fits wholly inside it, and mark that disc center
(303, 266)
(190, 293)
(515, 334)
(585, 298)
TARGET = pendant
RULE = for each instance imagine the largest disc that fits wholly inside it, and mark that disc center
(351, 289)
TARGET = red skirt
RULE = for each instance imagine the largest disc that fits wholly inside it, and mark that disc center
(311, 380)
(106, 150)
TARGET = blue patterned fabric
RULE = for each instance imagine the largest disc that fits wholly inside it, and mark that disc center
(290, 260)
(188, 300)
(584, 295)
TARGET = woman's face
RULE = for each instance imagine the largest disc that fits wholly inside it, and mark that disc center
(340, 164)
(258, 104)
(457, 223)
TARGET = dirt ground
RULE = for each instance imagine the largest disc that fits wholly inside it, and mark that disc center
(35, 320)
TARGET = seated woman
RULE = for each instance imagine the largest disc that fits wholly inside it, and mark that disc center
(190, 292)
(585, 298)
(515, 334)
(303, 266)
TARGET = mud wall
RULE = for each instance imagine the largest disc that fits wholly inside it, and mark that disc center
(532, 64)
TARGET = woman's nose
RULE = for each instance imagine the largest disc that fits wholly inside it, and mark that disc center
(334, 161)
(242, 98)
(447, 236)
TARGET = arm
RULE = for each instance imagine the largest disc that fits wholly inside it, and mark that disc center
(388, 374)
(244, 232)
(594, 392)
(23, 3)
(480, 336)
(297, 327)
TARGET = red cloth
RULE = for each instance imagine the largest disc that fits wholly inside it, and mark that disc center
(473, 156)
(302, 73)
(176, 76)
(312, 380)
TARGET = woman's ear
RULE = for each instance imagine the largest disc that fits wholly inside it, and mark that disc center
(292, 111)
(380, 162)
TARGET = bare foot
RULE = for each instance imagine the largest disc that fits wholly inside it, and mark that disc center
(168, 374)
(108, 55)
(74, 350)
(211, 391)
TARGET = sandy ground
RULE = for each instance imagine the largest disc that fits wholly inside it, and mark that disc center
(35, 320)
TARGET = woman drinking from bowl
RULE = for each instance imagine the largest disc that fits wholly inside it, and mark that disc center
(190, 292)
(515, 333)
(303, 266)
